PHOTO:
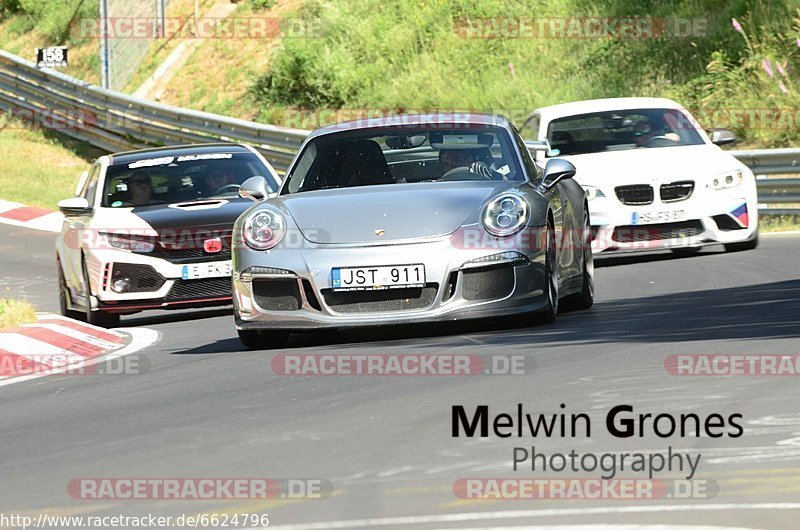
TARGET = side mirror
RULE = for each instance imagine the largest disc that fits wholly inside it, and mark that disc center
(74, 206)
(556, 170)
(254, 188)
(722, 136)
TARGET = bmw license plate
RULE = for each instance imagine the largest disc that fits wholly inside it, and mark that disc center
(215, 269)
(646, 218)
(370, 278)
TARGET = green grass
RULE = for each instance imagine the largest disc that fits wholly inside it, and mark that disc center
(40, 168)
(14, 313)
(778, 223)
(409, 55)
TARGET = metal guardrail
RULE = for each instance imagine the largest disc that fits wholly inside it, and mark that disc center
(114, 121)
(771, 191)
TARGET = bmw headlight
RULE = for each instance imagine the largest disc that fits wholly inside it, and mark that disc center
(264, 229)
(730, 179)
(505, 215)
(593, 192)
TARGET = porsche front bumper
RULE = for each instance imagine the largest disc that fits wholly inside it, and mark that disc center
(292, 289)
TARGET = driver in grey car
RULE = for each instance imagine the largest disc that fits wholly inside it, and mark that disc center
(453, 160)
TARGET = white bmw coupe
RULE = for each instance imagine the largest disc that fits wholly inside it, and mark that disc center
(655, 179)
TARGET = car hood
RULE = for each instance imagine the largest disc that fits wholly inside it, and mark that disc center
(166, 220)
(392, 212)
(663, 164)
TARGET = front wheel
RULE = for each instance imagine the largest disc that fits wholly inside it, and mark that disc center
(262, 340)
(585, 299)
(744, 245)
(549, 313)
(62, 296)
(98, 318)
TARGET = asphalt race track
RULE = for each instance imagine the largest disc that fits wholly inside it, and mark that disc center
(205, 408)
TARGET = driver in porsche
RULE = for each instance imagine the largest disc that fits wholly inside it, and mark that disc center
(454, 160)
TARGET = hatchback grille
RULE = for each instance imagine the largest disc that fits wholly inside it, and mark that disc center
(202, 288)
(188, 255)
(657, 232)
(187, 246)
(635, 194)
(676, 191)
(381, 300)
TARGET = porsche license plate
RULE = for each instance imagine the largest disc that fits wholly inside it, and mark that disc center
(368, 278)
(215, 269)
(647, 218)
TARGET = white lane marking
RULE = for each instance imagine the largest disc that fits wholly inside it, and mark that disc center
(37, 350)
(517, 514)
(140, 338)
(606, 527)
(396, 471)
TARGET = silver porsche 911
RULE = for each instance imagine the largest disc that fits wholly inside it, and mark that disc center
(413, 218)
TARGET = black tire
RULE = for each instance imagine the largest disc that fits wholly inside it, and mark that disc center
(62, 296)
(263, 340)
(744, 245)
(549, 313)
(584, 299)
(98, 318)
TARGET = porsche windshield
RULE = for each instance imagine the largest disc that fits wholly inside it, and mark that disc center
(397, 156)
(171, 179)
(620, 130)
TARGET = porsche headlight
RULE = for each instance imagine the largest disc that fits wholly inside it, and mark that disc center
(593, 192)
(505, 215)
(730, 179)
(264, 229)
(129, 242)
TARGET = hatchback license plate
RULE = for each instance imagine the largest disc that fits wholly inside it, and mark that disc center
(216, 269)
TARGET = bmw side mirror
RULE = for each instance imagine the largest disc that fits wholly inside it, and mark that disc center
(722, 136)
(74, 206)
(254, 188)
(556, 170)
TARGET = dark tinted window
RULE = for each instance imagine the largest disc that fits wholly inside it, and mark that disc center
(163, 180)
(620, 130)
(397, 156)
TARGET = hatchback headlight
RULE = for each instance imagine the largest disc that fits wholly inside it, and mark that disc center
(505, 215)
(730, 179)
(129, 242)
(264, 229)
